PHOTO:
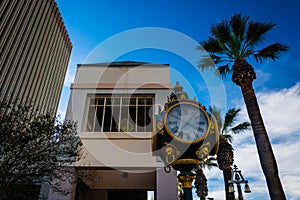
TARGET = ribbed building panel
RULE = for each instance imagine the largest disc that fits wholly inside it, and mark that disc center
(27, 42)
(34, 52)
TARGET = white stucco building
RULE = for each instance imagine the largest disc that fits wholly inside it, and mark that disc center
(114, 105)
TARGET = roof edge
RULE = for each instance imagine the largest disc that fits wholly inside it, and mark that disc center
(122, 64)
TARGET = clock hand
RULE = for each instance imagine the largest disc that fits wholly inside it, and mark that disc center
(197, 128)
(185, 122)
(175, 116)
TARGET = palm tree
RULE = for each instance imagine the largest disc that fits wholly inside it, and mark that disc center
(230, 44)
(200, 180)
(225, 155)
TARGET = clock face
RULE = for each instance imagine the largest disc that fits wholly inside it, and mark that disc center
(187, 122)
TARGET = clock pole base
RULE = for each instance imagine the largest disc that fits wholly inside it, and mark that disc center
(186, 178)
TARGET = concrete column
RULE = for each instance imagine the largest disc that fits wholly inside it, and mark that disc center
(166, 185)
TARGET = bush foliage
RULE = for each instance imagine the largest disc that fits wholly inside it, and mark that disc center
(33, 146)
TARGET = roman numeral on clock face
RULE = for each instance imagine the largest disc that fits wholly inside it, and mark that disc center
(174, 129)
(200, 129)
(172, 122)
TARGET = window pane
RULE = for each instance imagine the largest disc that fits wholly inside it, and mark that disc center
(149, 101)
(100, 101)
(142, 101)
(125, 101)
(98, 122)
(90, 119)
(132, 115)
(115, 119)
(148, 119)
(92, 101)
(124, 118)
(133, 101)
(108, 101)
(116, 101)
(107, 119)
(140, 119)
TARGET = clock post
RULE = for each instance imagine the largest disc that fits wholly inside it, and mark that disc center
(184, 134)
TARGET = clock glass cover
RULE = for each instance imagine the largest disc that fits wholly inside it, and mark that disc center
(187, 122)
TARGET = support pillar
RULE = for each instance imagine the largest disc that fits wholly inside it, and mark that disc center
(187, 180)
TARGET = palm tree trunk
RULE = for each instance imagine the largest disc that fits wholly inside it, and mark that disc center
(264, 148)
(227, 177)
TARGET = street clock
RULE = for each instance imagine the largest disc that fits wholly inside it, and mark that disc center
(184, 132)
(184, 135)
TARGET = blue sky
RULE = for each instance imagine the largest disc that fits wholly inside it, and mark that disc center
(91, 22)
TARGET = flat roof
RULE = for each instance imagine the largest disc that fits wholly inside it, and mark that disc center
(121, 64)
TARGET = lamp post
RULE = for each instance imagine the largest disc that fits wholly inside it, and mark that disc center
(237, 178)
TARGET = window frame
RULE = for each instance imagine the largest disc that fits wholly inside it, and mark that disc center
(147, 105)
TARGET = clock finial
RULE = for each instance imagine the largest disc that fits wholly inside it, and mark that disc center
(178, 93)
(178, 88)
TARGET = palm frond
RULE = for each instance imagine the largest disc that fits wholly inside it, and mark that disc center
(224, 70)
(209, 162)
(211, 45)
(217, 114)
(227, 137)
(256, 32)
(241, 127)
(221, 31)
(238, 25)
(222, 41)
(206, 62)
(247, 52)
(230, 118)
(270, 52)
(216, 59)
(227, 126)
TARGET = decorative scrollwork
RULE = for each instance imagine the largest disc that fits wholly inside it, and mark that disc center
(160, 124)
(161, 132)
(170, 152)
(203, 151)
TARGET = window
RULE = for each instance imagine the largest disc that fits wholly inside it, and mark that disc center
(120, 114)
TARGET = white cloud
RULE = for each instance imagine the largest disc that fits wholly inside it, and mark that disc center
(262, 77)
(280, 110)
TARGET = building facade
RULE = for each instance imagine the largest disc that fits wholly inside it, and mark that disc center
(115, 106)
(35, 50)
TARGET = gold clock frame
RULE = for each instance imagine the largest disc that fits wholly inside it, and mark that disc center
(179, 139)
